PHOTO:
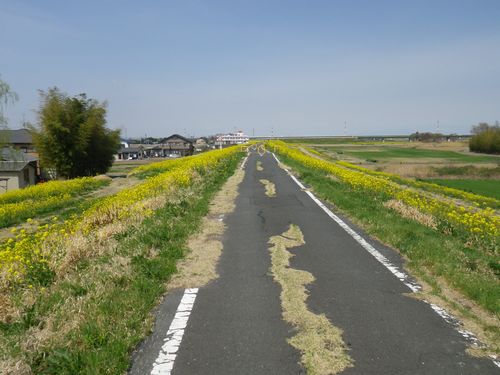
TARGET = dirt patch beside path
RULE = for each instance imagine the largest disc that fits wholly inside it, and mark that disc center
(198, 268)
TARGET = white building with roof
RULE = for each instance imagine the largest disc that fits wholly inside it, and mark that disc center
(237, 138)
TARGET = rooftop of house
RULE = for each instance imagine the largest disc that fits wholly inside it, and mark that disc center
(13, 166)
(173, 136)
(16, 136)
(11, 154)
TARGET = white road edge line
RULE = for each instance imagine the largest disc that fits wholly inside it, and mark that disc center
(164, 363)
(402, 276)
(244, 162)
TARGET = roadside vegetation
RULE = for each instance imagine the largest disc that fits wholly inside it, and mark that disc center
(450, 243)
(76, 294)
(19, 205)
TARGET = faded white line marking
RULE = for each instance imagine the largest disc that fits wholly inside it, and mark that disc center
(291, 175)
(244, 162)
(402, 276)
(164, 363)
(382, 259)
(414, 287)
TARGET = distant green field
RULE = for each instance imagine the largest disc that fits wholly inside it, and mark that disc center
(489, 188)
(387, 153)
(320, 141)
(339, 141)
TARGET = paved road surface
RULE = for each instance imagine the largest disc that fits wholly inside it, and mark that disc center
(235, 326)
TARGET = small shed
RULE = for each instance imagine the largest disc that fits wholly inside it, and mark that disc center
(16, 175)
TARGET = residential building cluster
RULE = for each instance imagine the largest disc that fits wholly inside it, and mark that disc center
(20, 165)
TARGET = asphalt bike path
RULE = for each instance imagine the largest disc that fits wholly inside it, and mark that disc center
(234, 324)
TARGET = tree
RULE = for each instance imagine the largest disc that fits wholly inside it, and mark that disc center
(6, 96)
(486, 138)
(72, 137)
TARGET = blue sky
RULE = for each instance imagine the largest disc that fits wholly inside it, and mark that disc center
(288, 67)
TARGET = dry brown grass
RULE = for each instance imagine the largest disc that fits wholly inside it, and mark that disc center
(11, 367)
(270, 187)
(199, 266)
(8, 310)
(68, 316)
(407, 170)
(462, 146)
(411, 213)
(427, 170)
(320, 343)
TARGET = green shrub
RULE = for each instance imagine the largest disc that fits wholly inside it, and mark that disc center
(486, 138)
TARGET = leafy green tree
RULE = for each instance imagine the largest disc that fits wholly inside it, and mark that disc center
(486, 138)
(72, 137)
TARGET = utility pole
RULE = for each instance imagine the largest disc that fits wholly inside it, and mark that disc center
(345, 128)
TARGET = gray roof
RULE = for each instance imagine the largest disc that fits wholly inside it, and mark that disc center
(10, 154)
(129, 150)
(173, 136)
(17, 136)
(13, 166)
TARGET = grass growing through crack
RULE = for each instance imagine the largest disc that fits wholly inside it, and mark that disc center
(89, 322)
(431, 255)
(269, 186)
(320, 343)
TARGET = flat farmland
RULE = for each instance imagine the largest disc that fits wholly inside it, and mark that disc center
(488, 188)
(404, 153)
(414, 160)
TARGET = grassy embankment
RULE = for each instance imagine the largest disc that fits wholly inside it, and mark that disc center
(44, 199)
(439, 254)
(95, 306)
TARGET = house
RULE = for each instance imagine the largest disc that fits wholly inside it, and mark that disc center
(177, 145)
(19, 139)
(155, 151)
(231, 139)
(132, 152)
(17, 170)
(201, 144)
